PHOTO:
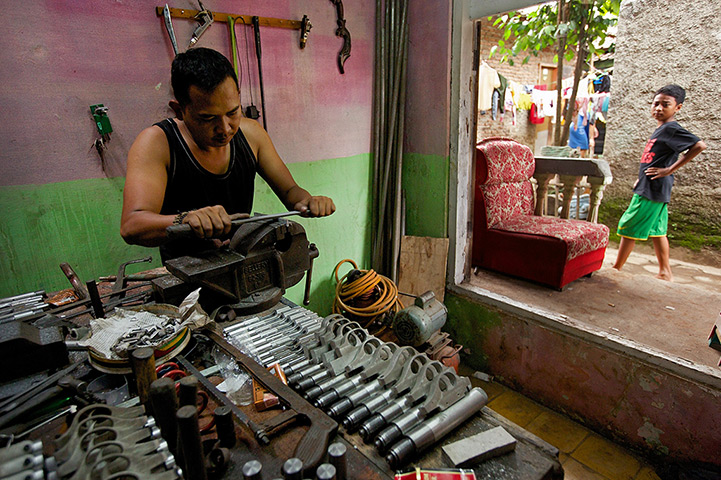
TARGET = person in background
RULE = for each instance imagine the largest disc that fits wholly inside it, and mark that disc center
(578, 133)
(647, 214)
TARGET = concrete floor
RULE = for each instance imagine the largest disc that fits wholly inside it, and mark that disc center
(673, 317)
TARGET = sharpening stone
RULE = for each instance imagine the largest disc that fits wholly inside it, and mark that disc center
(473, 450)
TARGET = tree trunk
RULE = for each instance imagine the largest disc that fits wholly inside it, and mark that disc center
(580, 58)
(559, 74)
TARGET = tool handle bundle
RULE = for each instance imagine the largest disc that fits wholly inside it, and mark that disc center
(394, 397)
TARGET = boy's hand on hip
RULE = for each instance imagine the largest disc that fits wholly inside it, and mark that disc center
(655, 172)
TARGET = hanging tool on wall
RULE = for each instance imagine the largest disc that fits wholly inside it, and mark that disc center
(169, 28)
(303, 25)
(251, 111)
(342, 32)
(233, 45)
(205, 19)
(256, 31)
(102, 122)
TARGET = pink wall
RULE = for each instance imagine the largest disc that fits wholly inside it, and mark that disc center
(428, 88)
(59, 57)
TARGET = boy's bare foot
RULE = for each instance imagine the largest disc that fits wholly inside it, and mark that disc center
(665, 276)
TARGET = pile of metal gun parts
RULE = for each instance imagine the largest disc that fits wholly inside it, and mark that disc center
(394, 397)
(102, 442)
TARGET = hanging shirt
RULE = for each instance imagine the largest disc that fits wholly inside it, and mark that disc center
(487, 81)
(662, 150)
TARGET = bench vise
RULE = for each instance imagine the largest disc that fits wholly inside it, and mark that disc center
(264, 258)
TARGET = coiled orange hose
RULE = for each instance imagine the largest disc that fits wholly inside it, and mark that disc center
(369, 286)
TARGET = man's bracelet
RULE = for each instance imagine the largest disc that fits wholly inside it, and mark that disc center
(180, 217)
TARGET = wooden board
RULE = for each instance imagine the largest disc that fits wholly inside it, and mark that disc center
(423, 265)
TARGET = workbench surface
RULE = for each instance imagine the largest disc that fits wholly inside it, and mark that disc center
(532, 459)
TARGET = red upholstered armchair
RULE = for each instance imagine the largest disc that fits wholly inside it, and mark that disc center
(509, 238)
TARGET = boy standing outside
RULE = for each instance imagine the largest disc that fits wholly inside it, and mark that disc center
(647, 214)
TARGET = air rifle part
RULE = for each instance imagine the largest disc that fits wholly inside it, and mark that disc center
(205, 19)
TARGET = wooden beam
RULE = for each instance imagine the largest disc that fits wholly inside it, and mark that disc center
(223, 17)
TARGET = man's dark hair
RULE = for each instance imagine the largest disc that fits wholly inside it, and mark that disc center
(203, 67)
(674, 91)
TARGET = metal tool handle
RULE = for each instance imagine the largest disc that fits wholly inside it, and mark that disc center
(184, 230)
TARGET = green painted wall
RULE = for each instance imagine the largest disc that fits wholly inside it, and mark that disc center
(425, 184)
(345, 234)
(469, 324)
(78, 222)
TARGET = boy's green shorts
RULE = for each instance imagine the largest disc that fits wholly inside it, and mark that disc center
(643, 218)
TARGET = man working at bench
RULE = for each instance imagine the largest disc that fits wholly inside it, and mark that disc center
(200, 167)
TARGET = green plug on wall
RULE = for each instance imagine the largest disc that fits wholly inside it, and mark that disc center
(102, 121)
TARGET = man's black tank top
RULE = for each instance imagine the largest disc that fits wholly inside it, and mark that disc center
(190, 186)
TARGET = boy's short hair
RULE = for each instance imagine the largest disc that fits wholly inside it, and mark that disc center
(672, 90)
(203, 67)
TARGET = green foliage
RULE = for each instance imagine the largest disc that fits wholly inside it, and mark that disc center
(534, 31)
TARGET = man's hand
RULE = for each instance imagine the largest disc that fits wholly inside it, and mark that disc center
(315, 206)
(209, 222)
(658, 172)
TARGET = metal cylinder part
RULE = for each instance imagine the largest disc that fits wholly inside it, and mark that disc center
(337, 457)
(194, 461)
(435, 428)
(293, 469)
(224, 426)
(325, 471)
(340, 407)
(370, 427)
(165, 405)
(142, 361)
(326, 399)
(305, 383)
(355, 417)
(188, 391)
(386, 437)
(313, 392)
(252, 470)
